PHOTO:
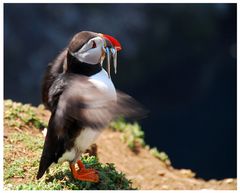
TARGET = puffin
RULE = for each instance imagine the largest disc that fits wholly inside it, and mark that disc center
(82, 100)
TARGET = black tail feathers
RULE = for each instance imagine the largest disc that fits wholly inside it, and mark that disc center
(44, 164)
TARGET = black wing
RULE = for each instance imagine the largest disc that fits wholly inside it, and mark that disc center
(53, 148)
(54, 69)
(91, 107)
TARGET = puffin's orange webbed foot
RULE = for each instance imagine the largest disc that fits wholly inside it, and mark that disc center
(83, 170)
(83, 174)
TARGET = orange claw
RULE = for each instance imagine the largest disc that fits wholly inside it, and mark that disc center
(83, 174)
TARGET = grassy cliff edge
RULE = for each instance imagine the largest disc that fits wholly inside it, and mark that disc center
(124, 160)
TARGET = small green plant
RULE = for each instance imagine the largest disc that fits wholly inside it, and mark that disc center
(132, 133)
(19, 115)
(160, 155)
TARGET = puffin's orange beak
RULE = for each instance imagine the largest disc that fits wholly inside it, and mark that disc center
(114, 42)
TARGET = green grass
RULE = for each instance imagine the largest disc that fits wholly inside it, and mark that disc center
(19, 115)
(60, 178)
(160, 155)
(22, 151)
(132, 133)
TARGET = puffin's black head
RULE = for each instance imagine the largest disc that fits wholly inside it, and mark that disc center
(91, 48)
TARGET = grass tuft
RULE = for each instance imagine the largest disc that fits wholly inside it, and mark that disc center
(160, 155)
(20, 116)
(132, 133)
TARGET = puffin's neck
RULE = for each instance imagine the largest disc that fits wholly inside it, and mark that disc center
(77, 67)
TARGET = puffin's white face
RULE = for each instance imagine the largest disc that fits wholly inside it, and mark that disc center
(92, 52)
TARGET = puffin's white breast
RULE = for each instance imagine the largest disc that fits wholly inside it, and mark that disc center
(103, 82)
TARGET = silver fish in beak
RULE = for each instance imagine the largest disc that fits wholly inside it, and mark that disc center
(112, 47)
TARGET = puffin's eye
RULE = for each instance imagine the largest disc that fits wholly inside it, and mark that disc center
(94, 44)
